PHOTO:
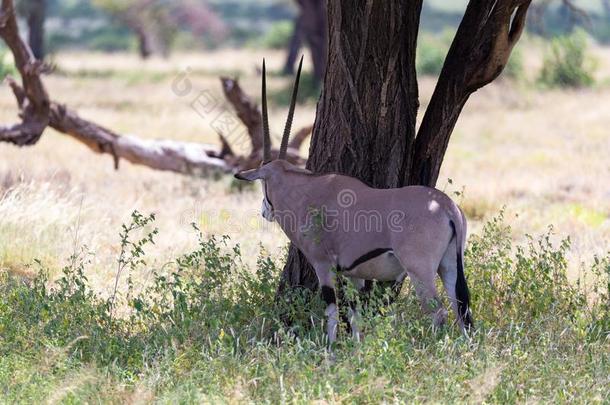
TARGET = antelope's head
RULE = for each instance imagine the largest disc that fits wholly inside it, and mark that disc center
(268, 167)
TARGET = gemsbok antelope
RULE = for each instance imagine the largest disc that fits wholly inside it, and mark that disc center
(343, 226)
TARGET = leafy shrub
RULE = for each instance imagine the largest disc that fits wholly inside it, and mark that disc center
(567, 64)
(431, 53)
(6, 66)
(111, 42)
(108, 37)
(519, 284)
(278, 36)
(199, 296)
(308, 90)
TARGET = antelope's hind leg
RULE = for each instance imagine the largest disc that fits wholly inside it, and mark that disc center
(326, 279)
(423, 277)
(429, 299)
(447, 271)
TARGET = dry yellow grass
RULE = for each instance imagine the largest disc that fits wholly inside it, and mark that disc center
(543, 155)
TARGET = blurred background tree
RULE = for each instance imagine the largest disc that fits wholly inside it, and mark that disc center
(158, 26)
(309, 25)
(157, 23)
(35, 13)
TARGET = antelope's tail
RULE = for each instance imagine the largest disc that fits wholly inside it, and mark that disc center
(462, 294)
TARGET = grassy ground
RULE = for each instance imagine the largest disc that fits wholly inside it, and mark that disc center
(542, 154)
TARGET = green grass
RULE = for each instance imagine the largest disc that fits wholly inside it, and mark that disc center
(205, 328)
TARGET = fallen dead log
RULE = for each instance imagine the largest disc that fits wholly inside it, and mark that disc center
(37, 112)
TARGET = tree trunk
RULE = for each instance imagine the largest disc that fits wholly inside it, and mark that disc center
(35, 19)
(366, 115)
(144, 45)
(295, 45)
(314, 26)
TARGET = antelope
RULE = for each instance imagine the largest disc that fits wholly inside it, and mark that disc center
(343, 226)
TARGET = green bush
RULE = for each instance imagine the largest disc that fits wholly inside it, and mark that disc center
(431, 53)
(567, 64)
(278, 36)
(308, 90)
(200, 296)
(6, 66)
(205, 328)
(111, 42)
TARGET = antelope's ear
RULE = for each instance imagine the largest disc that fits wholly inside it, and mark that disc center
(249, 175)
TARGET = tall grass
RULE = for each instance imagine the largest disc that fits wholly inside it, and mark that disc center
(205, 328)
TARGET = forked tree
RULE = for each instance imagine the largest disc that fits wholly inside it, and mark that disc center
(365, 122)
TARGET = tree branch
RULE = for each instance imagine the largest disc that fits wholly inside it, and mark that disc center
(298, 138)
(38, 112)
(246, 111)
(181, 157)
(479, 52)
(34, 102)
(578, 12)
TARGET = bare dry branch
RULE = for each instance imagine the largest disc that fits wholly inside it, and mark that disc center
(247, 111)
(34, 106)
(298, 138)
(226, 149)
(38, 112)
(181, 157)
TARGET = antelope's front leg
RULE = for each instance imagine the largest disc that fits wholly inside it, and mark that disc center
(327, 288)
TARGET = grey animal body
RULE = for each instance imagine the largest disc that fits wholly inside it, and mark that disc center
(342, 225)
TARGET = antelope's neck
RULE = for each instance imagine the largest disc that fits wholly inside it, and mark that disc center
(291, 195)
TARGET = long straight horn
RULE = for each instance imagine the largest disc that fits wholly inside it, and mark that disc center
(266, 136)
(293, 101)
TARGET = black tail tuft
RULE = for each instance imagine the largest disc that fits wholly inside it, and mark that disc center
(462, 294)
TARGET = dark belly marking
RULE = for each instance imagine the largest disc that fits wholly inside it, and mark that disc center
(365, 258)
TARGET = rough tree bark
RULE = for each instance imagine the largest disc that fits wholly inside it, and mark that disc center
(366, 117)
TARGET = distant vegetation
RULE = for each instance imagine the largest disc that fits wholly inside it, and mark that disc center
(267, 23)
(567, 63)
(514, 68)
(432, 50)
(278, 36)
(6, 65)
(431, 53)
